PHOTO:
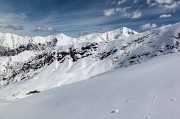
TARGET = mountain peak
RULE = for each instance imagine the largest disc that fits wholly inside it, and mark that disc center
(109, 35)
(125, 31)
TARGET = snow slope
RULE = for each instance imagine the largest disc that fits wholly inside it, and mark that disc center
(60, 65)
(146, 90)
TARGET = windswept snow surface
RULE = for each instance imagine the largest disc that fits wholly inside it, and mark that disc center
(146, 90)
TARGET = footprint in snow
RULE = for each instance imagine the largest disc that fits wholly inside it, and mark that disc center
(147, 116)
(115, 111)
(174, 99)
(128, 100)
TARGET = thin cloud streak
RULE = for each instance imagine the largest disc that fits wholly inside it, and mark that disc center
(14, 27)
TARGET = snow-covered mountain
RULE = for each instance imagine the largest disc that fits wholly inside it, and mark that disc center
(108, 36)
(39, 63)
(23, 48)
(10, 42)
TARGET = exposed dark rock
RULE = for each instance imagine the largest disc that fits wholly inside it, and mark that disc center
(32, 92)
(29, 46)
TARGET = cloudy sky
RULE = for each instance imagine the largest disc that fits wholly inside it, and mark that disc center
(80, 17)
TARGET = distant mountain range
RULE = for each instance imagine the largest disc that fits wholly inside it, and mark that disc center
(29, 65)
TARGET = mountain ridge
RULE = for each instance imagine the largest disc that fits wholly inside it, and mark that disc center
(9, 38)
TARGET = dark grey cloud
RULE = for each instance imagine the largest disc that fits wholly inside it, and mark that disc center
(14, 27)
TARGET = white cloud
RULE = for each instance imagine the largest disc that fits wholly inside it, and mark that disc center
(165, 15)
(152, 4)
(168, 5)
(42, 29)
(14, 27)
(124, 12)
(122, 1)
(126, 8)
(128, 15)
(4, 21)
(164, 1)
(119, 9)
(167, 25)
(153, 26)
(171, 6)
(148, 26)
(109, 12)
(136, 14)
(122, 9)
(50, 29)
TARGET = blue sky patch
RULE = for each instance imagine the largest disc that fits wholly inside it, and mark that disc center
(76, 17)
